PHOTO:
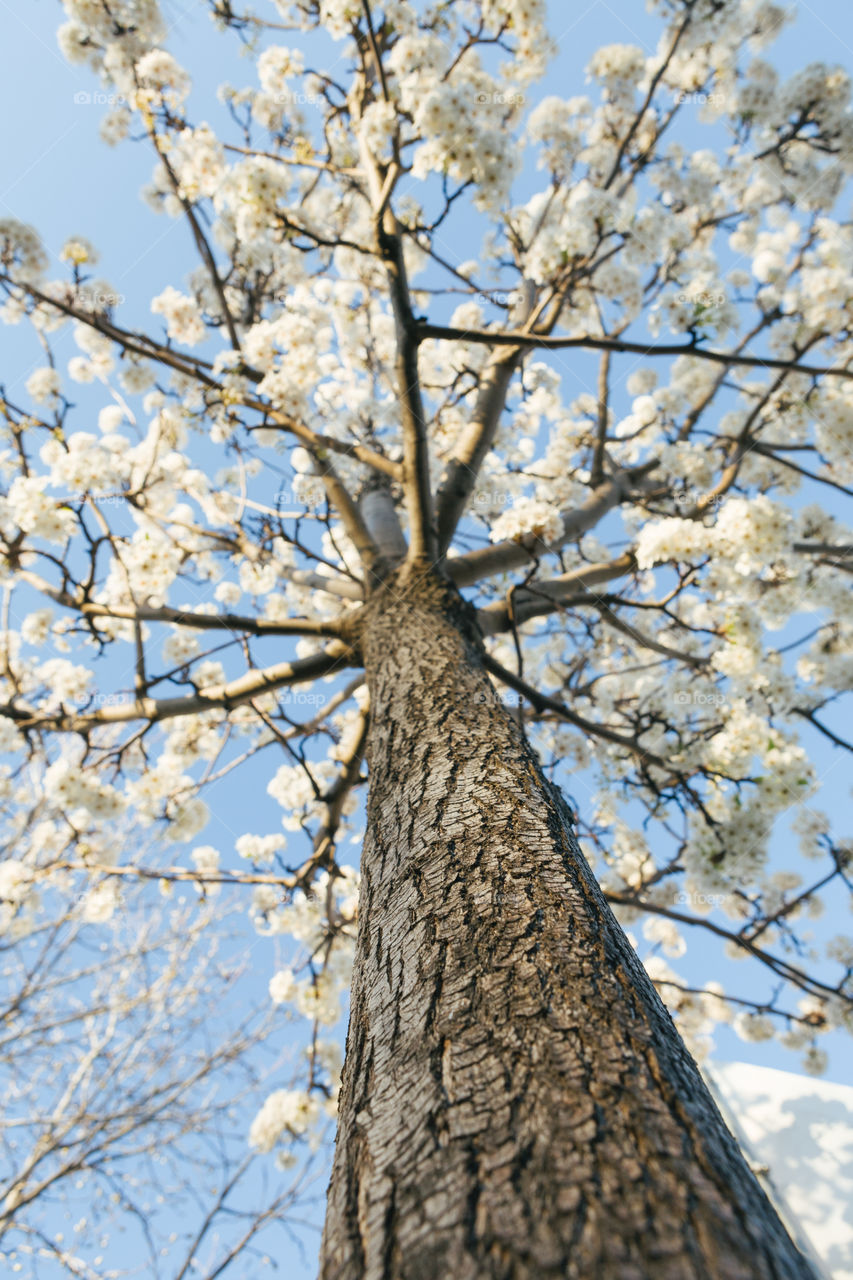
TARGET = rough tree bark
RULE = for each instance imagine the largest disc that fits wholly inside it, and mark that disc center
(516, 1102)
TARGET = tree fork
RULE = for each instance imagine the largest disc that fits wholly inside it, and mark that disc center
(517, 1103)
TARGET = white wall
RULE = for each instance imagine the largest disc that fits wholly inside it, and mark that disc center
(801, 1130)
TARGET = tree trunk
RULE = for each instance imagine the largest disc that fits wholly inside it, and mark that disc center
(516, 1101)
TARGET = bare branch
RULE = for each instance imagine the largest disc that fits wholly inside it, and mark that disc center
(496, 338)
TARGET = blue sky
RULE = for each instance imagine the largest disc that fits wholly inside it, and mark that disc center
(58, 175)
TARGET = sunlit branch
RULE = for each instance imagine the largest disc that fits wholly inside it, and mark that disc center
(416, 478)
(226, 696)
(181, 617)
(539, 599)
(473, 566)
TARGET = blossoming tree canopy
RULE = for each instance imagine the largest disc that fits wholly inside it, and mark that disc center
(407, 261)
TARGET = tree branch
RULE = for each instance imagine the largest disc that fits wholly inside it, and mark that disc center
(467, 569)
(496, 338)
(226, 696)
(181, 617)
(539, 599)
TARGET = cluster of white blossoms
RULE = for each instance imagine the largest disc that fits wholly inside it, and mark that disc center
(126, 28)
(461, 115)
(100, 903)
(21, 250)
(19, 899)
(748, 532)
(697, 1013)
(15, 880)
(620, 67)
(97, 361)
(674, 538)
(26, 506)
(528, 516)
(88, 463)
(318, 995)
(160, 78)
(299, 790)
(558, 126)
(184, 322)
(286, 1113)
(304, 917)
(44, 384)
(752, 532)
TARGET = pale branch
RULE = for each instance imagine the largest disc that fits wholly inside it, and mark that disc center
(500, 338)
(473, 566)
(347, 508)
(345, 588)
(463, 466)
(596, 470)
(375, 51)
(227, 696)
(379, 510)
(416, 480)
(417, 489)
(177, 874)
(182, 617)
(539, 599)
